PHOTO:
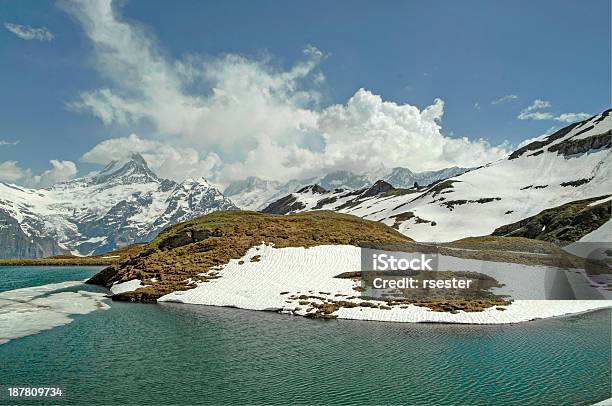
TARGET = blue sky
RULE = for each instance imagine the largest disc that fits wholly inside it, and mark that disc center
(410, 53)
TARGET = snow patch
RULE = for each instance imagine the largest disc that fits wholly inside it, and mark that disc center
(283, 272)
(128, 286)
(31, 310)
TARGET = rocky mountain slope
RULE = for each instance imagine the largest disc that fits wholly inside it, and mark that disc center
(254, 193)
(570, 165)
(122, 204)
(562, 224)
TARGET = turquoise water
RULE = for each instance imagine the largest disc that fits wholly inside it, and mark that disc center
(169, 354)
(13, 277)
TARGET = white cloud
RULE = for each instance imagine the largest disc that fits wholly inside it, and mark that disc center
(572, 117)
(532, 113)
(29, 33)
(536, 115)
(10, 171)
(234, 116)
(505, 98)
(368, 132)
(60, 171)
(539, 104)
(4, 143)
(107, 106)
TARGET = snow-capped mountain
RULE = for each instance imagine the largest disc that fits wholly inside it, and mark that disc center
(254, 193)
(405, 178)
(124, 203)
(571, 165)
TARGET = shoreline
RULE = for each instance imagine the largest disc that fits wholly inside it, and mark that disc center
(106, 259)
(58, 262)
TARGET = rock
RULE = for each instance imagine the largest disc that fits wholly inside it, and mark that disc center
(377, 188)
(562, 224)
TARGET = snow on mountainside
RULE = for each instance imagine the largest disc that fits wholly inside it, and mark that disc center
(570, 165)
(254, 193)
(405, 178)
(124, 203)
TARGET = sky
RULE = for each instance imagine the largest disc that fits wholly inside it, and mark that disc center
(285, 90)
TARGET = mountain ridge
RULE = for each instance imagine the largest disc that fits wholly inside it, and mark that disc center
(570, 165)
(254, 193)
(124, 203)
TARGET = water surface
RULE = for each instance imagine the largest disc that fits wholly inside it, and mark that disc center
(170, 353)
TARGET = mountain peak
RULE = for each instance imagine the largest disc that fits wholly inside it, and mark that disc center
(249, 184)
(380, 186)
(398, 170)
(133, 170)
(137, 158)
(343, 179)
(580, 137)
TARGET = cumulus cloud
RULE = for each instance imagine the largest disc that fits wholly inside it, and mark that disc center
(572, 117)
(539, 104)
(369, 131)
(236, 116)
(533, 112)
(11, 172)
(536, 115)
(508, 97)
(30, 33)
(60, 171)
